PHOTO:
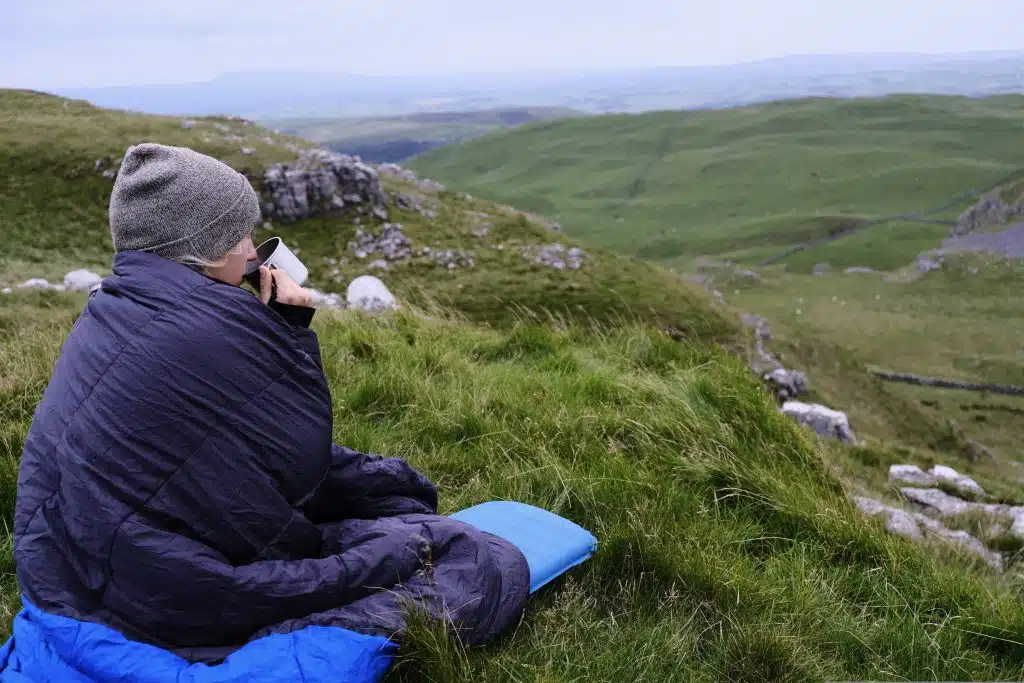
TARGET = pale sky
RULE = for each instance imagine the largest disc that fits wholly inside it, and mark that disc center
(67, 43)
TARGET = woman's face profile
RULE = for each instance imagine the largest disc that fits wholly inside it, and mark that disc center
(233, 269)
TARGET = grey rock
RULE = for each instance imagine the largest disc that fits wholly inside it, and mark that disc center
(937, 501)
(380, 264)
(408, 176)
(988, 211)
(1017, 514)
(859, 269)
(557, 256)
(449, 258)
(960, 481)
(36, 283)
(764, 361)
(81, 281)
(309, 186)
(787, 383)
(916, 526)
(390, 242)
(329, 300)
(248, 151)
(188, 124)
(910, 474)
(6, 290)
(828, 423)
(902, 524)
(821, 268)
(897, 521)
(969, 543)
(368, 293)
(926, 263)
(1008, 243)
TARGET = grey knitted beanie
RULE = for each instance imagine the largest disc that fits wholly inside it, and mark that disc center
(176, 202)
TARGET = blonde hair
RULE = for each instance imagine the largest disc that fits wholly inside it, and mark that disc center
(197, 262)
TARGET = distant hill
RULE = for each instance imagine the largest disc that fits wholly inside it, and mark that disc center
(394, 139)
(749, 183)
(287, 94)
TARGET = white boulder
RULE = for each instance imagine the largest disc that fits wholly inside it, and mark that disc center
(368, 293)
(939, 502)
(910, 474)
(81, 281)
(326, 299)
(960, 481)
(787, 383)
(35, 283)
(915, 526)
(831, 424)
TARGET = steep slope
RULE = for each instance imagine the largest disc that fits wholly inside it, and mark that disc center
(748, 183)
(729, 549)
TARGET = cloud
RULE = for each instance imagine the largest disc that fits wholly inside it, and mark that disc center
(50, 43)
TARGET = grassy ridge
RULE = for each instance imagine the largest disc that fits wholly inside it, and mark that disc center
(728, 550)
(748, 183)
(53, 214)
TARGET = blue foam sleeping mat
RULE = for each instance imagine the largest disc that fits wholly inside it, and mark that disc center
(552, 544)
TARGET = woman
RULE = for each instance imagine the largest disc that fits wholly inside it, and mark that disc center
(179, 483)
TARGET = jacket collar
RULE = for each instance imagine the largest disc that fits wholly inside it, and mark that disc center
(146, 270)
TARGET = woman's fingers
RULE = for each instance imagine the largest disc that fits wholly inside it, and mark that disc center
(288, 292)
(266, 284)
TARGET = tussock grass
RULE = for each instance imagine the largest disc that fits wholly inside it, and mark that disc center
(728, 549)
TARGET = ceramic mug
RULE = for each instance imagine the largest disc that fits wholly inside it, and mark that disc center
(274, 254)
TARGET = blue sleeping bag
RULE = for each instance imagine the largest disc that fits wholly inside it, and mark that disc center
(54, 648)
(47, 648)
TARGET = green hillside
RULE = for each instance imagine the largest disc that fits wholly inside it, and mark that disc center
(748, 183)
(616, 395)
(53, 214)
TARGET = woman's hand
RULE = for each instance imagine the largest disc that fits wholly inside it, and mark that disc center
(287, 291)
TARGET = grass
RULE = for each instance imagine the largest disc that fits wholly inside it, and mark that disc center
(748, 183)
(728, 549)
(956, 323)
